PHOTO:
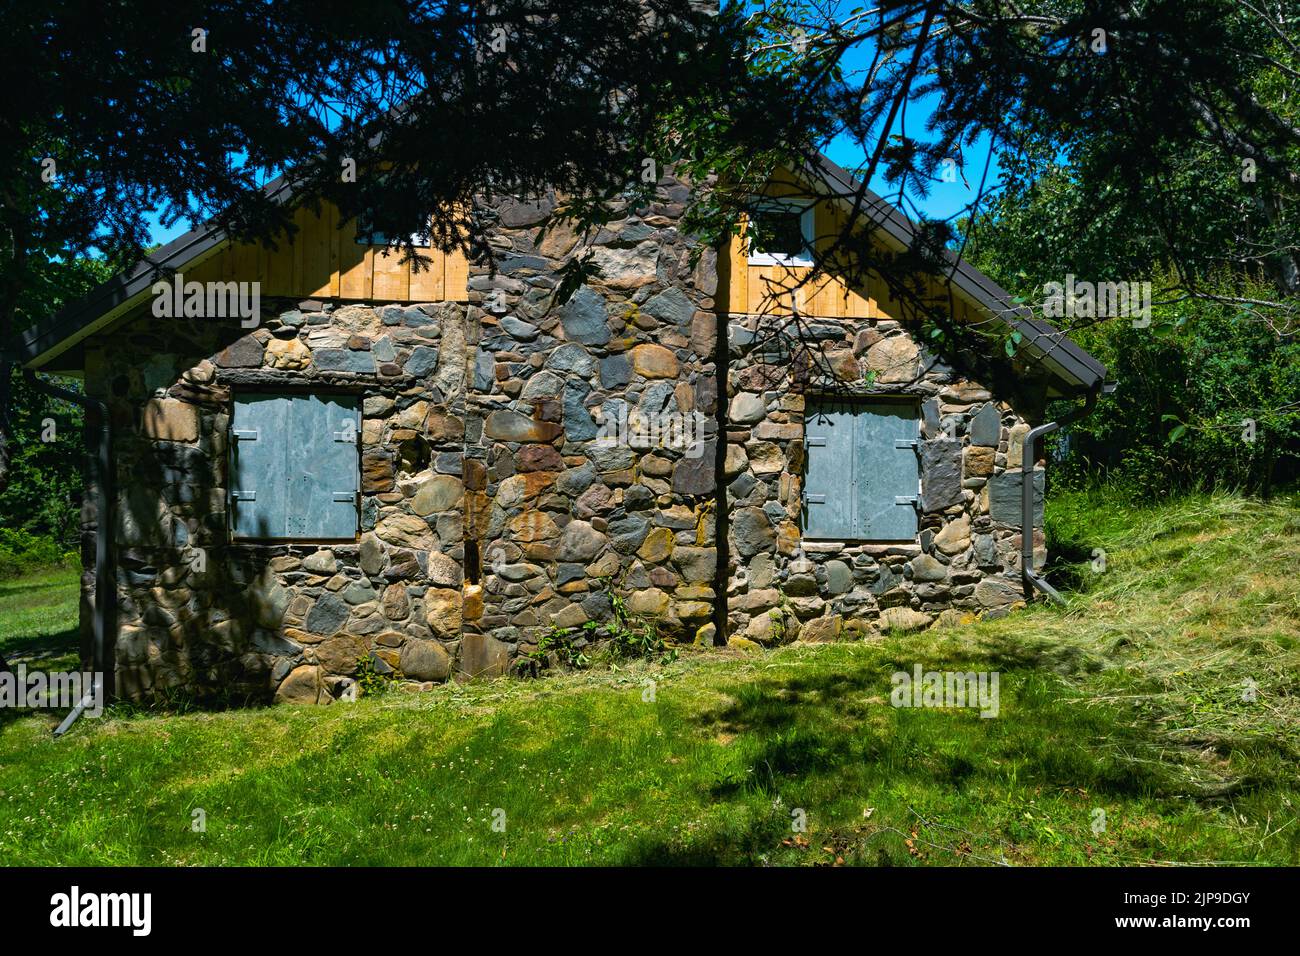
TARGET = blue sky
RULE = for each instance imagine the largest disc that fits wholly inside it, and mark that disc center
(945, 199)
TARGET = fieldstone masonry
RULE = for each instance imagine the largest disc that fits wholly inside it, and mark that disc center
(493, 509)
(967, 556)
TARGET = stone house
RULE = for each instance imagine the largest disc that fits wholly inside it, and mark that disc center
(428, 470)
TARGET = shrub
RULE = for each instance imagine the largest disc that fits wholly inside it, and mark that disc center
(22, 553)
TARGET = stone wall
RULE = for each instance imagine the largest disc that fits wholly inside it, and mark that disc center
(562, 516)
(200, 612)
(495, 509)
(967, 555)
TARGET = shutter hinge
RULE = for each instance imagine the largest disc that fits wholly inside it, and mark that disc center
(345, 496)
(244, 434)
(911, 443)
(243, 495)
(819, 442)
(815, 499)
(912, 500)
(348, 435)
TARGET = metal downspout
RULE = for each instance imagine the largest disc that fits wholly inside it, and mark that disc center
(1028, 458)
(6, 370)
(105, 585)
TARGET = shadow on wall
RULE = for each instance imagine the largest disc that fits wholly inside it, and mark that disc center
(197, 615)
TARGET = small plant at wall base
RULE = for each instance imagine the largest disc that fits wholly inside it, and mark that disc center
(625, 637)
(369, 678)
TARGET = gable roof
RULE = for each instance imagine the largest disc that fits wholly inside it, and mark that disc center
(1072, 369)
(1072, 366)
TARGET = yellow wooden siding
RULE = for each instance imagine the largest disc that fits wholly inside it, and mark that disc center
(323, 261)
(767, 289)
(763, 289)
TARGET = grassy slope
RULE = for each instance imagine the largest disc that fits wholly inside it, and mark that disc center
(38, 619)
(1128, 701)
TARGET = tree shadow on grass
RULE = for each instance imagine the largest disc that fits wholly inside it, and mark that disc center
(34, 651)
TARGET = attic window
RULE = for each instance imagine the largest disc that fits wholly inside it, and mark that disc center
(780, 233)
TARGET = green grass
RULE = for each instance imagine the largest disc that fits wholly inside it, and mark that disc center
(38, 619)
(1128, 701)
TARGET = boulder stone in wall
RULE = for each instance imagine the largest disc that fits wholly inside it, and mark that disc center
(954, 537)
(442, 570)
(142, 518)
(406, 531)
(998, 592)
(747, 408)
(628, 532)
(627, 269)
(244, 353)
(894, 360)
(533, 527)
(436, 494)
(506, 425)
(903, 619)
(371, 554)
(340, 654)
(1004, 498)
(396, 603)
(519, 329)
(654, 361)
(484, 371)
(328, 615)
(940, 474)
(166, 419)
(1016, 445)
(288, 354)
(580, 542)
(986, 426)
(542, 384)
(538, 458)
(483, 656)
(304, 685)
(615, 371)
(926, 567)
(979, 461)
(694, 476)
(650, 602)
(585, 317)
(423, 361)
(697, 565)
(443, 428)
(752, 531)
(515, 213)
(657, 546)
(442, 612)
(424, 660)
(571, 360)
(827, 628)
(671, 305)
(269, 600)
(344, 360)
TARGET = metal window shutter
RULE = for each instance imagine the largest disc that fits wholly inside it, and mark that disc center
(828, 482)
(887, 471)
(257, 472)
(322, 466)
(295, 471)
